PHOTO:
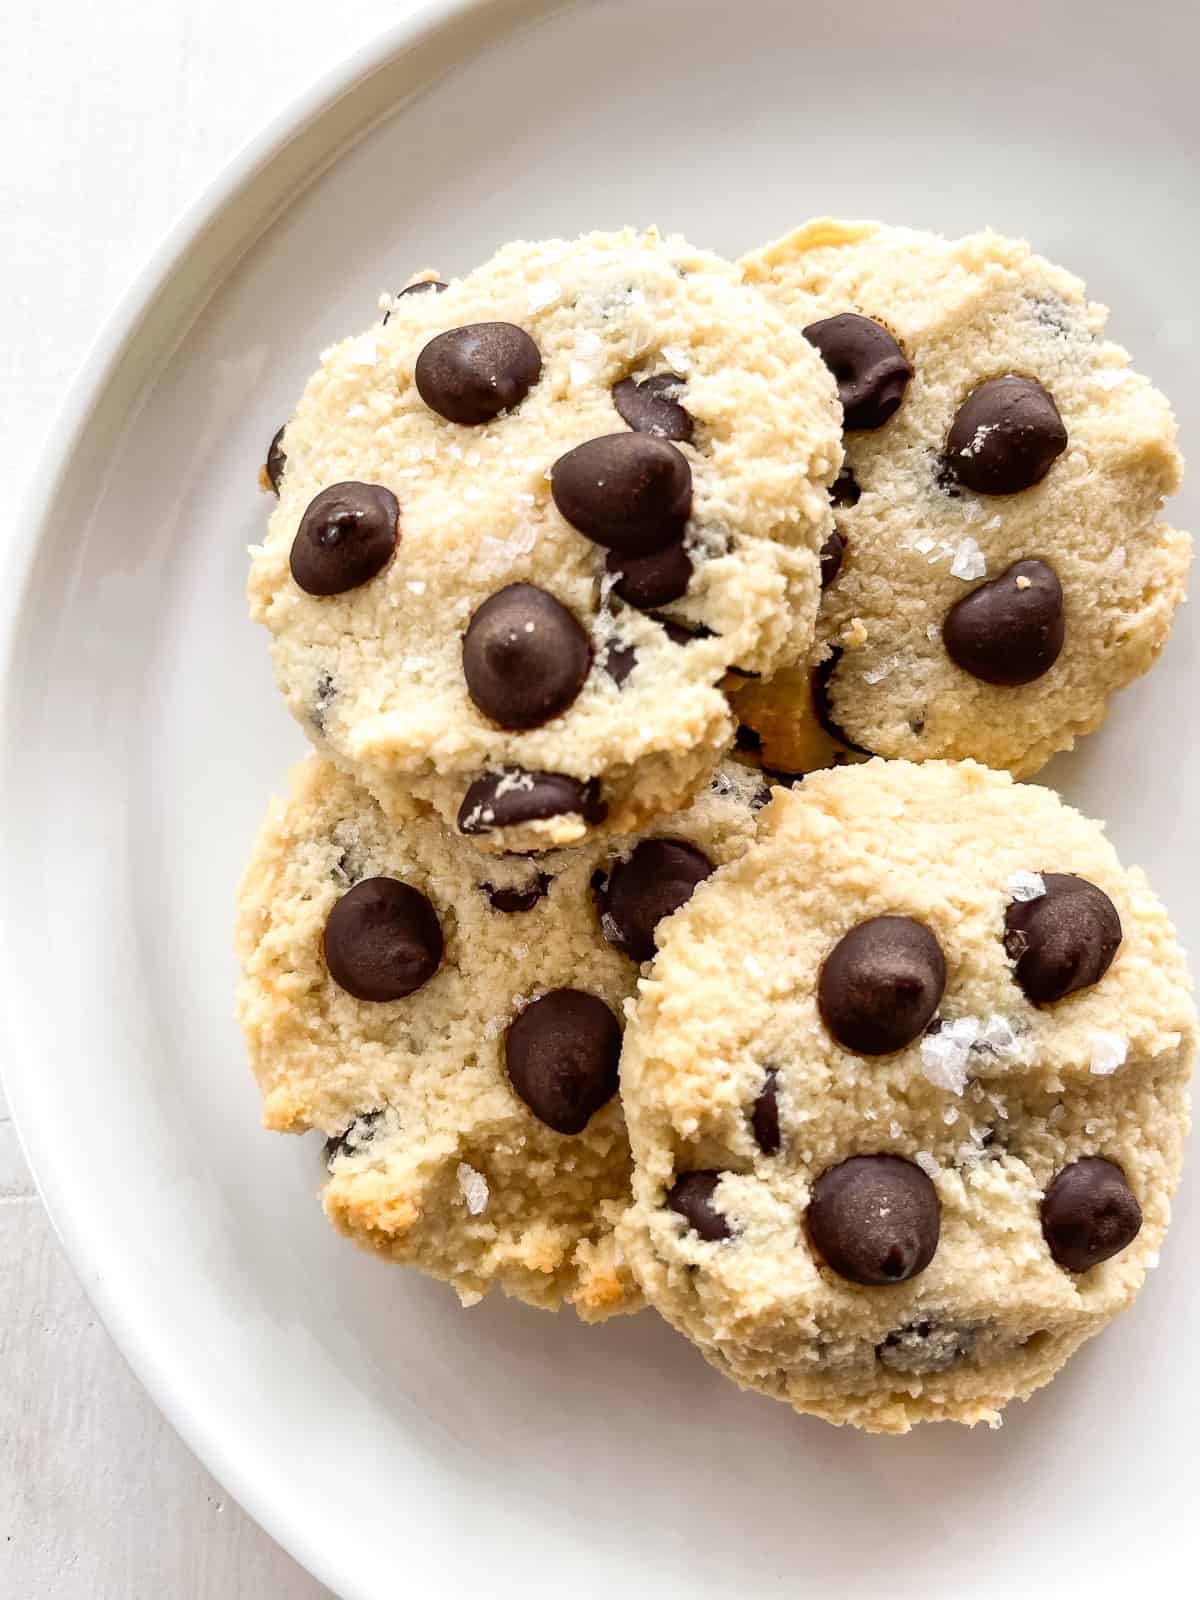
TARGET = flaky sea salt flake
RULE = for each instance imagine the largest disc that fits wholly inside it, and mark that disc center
(969, 561)
(1108, 1053)
(944, 1053)
(1024, 885)
(474, 1189)
(999, 1037)
(543, 293)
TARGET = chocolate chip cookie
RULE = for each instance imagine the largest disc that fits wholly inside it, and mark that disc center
(528, 522)
(451, 1021)
(1000, 566)
(907, 1092)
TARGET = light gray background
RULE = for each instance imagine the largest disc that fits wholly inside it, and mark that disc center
(114, 116)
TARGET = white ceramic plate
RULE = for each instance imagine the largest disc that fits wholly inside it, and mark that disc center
(394, 1443)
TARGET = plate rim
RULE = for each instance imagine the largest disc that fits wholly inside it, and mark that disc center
(137, 339)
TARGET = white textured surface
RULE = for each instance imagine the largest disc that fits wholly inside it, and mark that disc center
(116, 117)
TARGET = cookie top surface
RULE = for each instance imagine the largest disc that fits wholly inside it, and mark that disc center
(528, 521)
(451, 1021)
(1003, 569)
(880, 1171)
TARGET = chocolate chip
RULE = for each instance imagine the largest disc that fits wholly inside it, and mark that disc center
(925, 1347)
(1063, 940)
(653, 580)
(1005, 436)
(682, 633)
(525, 657)
(777, 777)
(746, 739)
(515, 900)
(354, 1139)
(832, 552)
(651, 407)
(472, 374)
(868, 365)
(764, 1118)
(515, 796)
(382, 940)
(692, 1197)
(618, 660)
(324, 694)
(276, 460)
(626, 491)
(345, 537)
(874, 1219)
(844, 490)
(562, 1053)
(1089, 1213)
(1009, 631)
(422, 286)
(659, 877)
(880, 984)
(822, 708)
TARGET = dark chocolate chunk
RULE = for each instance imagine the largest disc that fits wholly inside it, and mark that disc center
(276, 460)
(845, 490)
(764, 1118)
(618, 660)
(651, 406)
(682, 633)
(382, 940)
(354, 1139)
(1009, 631)
(659, 877)
(627, 491)
(507, 799)
(692, 1197)
(653, 580)
(422, 286)
(1063, 940)
(561, 1053)
(832, 553)
(1005, 436)
(874, 1219)
(514, 900)
(472, 374)
(925, 1347)
(880, 984)
(867, 364)
(525, 657)
(324, 694)
(345, 537)
(1089, 1213)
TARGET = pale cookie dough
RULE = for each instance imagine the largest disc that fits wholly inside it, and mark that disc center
(741, 1103)
(923, 520)
(573, 709)
(434, 1160)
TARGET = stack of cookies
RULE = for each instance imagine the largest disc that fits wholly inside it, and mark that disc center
(873, 1084)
